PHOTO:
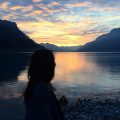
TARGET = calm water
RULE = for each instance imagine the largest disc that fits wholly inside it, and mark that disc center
(77, 74)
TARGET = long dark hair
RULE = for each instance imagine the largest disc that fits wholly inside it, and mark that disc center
(41, 68)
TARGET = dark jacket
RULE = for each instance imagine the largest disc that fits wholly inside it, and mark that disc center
(43, 104)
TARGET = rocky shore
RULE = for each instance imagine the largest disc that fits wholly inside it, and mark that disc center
(96, 108)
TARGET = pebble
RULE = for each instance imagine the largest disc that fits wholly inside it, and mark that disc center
(93, 109)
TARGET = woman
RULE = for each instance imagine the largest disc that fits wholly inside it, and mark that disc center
(40, 100)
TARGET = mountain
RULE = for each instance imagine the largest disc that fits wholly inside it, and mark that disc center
(60, 48)
(51, 47)
(70, 48)
(109, 42)
(13, 39)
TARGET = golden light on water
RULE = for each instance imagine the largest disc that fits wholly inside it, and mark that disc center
(75, 64)
(22, 77)
(80, 72)
(69, 66)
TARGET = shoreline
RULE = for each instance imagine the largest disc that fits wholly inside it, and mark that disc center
(93, 107)
(104, 106)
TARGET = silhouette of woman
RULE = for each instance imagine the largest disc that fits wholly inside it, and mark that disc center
(39, 98)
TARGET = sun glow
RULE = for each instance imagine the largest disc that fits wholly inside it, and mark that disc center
(65, 34)
(62, 22)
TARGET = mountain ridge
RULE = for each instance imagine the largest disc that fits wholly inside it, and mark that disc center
(13, 39)
(109, 42)
(56, 48)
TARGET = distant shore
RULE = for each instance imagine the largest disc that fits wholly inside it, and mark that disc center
(92, 107)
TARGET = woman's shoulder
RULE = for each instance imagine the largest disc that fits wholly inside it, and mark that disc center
(42, 88)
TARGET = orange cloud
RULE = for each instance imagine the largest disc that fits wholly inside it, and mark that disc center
(66, 34)
(54, 4)
(8, 16)
(4, 5)
(27, 8)
(16, 7)
(81, 4)
(22, 8)
(40, 5)
(37, 12)
(36, 0)
(50, 10)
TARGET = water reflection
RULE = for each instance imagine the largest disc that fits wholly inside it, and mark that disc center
(86, 73)
(111, 61)
(76, 73)
(22, 76)
(75, 68)
(11, 64)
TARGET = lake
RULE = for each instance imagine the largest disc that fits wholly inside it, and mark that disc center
(76, 74)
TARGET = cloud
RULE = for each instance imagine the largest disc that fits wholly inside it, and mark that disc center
(80, 4)
(4, 5)
(54, 3)
(37, 12)
(107, 3)
(17, 7)
(27, 8)
(58, 33)
(9, 16)
(36, 0)
(63, 21)
(51, 10)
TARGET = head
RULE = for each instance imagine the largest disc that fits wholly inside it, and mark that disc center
(41, 69)
(41, 66)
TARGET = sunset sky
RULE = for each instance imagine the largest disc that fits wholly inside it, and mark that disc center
(62, 22)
